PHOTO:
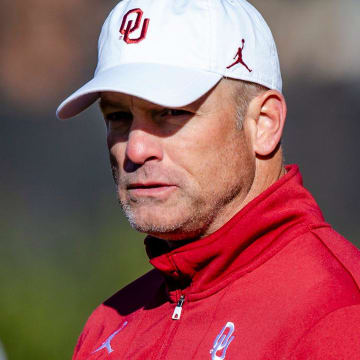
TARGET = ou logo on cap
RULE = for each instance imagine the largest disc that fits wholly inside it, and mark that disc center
(127, 27)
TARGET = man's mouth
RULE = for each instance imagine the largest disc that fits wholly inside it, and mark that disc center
(145, 186)
(150, 189)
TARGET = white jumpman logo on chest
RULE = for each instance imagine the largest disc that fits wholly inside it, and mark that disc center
(107, 343)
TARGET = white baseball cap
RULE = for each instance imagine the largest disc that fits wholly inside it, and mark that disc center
(171, 52)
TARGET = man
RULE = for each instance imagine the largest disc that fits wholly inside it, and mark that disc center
(245, 265)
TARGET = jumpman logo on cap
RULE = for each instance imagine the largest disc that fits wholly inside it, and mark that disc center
(239, 56)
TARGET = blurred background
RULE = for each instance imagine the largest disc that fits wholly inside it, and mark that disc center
(65, 245)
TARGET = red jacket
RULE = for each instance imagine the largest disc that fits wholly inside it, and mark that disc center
(275, 282)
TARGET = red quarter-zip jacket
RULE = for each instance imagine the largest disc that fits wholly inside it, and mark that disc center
(275, 282)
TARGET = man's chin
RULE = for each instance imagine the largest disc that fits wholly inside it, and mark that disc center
(166, 224)
(153, 225)
(168, 233)
(155, 221)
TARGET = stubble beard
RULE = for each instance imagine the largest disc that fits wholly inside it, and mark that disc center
(188, 221)
(193, 214)
(156, 228)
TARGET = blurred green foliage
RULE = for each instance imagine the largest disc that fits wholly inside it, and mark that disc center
(46, 296)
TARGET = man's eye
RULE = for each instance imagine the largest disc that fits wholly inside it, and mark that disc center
(174, 113)
(118, 116)
(118, 122)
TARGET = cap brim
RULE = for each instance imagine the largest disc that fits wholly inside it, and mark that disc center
(160, 84)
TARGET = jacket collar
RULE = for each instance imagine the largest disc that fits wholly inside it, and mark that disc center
(252, 236)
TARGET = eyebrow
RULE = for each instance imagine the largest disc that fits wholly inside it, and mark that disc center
(103, 103)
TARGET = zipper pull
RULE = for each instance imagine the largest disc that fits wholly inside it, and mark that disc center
(177, 312)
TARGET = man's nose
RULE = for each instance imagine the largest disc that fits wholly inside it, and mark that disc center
(143, 146)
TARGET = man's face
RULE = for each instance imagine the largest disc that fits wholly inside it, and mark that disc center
(180, 173)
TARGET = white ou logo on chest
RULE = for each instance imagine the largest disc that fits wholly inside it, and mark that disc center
(222, 342)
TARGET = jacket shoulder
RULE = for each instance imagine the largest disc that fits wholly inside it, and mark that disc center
(320, 256)
(347, 254)
(107, 316)
(336, 336)
(318, 279)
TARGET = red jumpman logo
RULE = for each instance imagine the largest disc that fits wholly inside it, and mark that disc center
(239, 57)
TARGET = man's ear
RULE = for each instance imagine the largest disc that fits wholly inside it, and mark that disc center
(267, 114)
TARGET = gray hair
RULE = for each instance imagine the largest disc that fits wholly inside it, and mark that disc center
(244, 92)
